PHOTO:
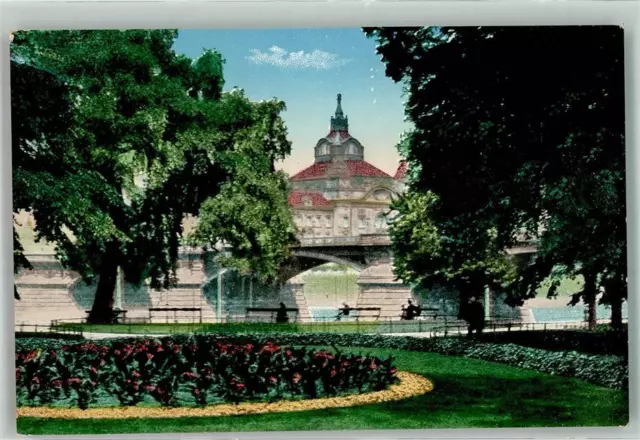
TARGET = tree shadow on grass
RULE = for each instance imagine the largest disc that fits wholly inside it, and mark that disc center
(530, 401)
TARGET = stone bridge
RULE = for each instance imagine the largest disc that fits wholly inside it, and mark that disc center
(51, 292)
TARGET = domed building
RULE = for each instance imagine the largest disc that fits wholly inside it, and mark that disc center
(341, 198)
(341, 194)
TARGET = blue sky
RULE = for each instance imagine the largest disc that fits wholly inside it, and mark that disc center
(307, 68)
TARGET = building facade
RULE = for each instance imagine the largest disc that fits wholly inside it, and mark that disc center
(341, 194)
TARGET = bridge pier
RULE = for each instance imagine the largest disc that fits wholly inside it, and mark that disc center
(292, 295)
(380, 288)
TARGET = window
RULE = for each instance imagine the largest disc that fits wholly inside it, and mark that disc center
(363, 223)
(381, 222)
(309, 220)
(327, 219)
(345, 221)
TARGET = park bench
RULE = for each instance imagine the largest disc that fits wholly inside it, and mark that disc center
(175, 311)
(425, 312)
(430, 312)
(116, 314)
(357, 313)
(271, 312)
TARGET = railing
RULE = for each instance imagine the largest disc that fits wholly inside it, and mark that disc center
(45, 329)
(358, 240)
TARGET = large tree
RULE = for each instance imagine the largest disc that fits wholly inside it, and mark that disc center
(521, 130)
(155, 133)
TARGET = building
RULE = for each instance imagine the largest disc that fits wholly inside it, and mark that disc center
(341, 194)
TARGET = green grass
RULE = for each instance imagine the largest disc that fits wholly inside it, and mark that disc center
(567, 287)
(468, 394)
(226, 328)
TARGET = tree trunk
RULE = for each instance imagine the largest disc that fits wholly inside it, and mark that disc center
(102, 310)
(590, 292)
(616, 313)
(614, 292)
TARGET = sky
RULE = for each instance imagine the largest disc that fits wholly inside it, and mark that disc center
(307, 68)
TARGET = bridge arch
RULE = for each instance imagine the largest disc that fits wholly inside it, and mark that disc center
(328, 258)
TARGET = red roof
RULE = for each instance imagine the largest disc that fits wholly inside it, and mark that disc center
(355, 168)
(297, 198)
(401, 172)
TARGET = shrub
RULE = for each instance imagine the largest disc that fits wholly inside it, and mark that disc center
(206, 369)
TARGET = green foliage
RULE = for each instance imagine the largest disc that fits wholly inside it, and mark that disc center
(520, 132)
(427, 256)
(146, 138)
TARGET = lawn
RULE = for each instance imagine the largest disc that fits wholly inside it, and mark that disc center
(468, 394)
(226, 328)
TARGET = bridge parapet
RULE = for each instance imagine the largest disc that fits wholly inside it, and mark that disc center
(356, 240)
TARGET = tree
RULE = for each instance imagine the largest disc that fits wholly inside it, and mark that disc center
(514, 129)
(153, 130)
(427, 256)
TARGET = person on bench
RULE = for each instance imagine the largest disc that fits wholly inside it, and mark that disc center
(411, 311)
(281, 315)
(344, 311)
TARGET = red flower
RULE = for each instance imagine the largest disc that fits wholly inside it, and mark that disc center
(393, 370)
(65, 347)
(35, 379)
(373, 366)
(296, 378)
(149, 356)
(17, 373)
(288, 353)
(94, 369)
(135, 374)
(346, 363)
(333, 372)
(240, 386)
(135, 386)
(176, 349)
(116, 352)
(196, 391)
(248, 348)
(149, 387)
(189, 374)
(73, 380)
(273, 379)
(57, 383)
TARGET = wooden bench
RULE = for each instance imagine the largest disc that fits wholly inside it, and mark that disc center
(271, 311)
(424, 313)
(175, 311)
(346, 312)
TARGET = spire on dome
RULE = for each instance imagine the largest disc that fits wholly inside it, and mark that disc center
(339, 122)
(339, 113)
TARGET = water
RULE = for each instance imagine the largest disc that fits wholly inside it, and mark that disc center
(323, 313)
(571, 314)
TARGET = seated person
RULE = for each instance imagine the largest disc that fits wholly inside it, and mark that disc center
(281, 315)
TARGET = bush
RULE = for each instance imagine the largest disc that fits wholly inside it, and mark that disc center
(191, 370)
(600, 342)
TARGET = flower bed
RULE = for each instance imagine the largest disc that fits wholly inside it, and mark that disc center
(411, 385)
(191, 372)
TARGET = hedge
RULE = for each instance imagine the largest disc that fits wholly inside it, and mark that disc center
(599, 342)
(605, 370)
